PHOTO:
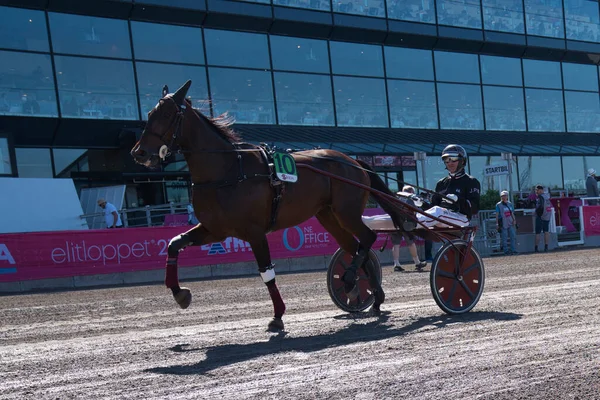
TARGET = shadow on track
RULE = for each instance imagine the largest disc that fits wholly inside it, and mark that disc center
(357, 332)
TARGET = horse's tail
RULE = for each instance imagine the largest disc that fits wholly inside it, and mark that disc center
(389, 206)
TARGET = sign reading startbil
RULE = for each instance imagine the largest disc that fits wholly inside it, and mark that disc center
(496, 169)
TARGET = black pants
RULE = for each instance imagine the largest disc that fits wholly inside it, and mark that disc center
(428, 246)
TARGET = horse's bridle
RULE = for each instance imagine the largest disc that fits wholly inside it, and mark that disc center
(165, 150)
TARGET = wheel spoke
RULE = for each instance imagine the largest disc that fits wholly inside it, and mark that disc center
(452, 290)
(466, 271)
(446, 274)
(466, 288)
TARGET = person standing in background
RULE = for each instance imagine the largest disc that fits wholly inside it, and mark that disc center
(543, 211)
(591, 186)
(506, 223)
(111, 216)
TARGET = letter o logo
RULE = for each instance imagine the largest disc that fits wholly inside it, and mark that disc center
(286, 242)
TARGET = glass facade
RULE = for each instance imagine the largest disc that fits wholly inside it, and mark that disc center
(61, 65)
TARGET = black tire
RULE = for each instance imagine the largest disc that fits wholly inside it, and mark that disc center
(335, 285)
(457, 288)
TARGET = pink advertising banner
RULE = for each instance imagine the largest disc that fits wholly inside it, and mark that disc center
(591, 220)
(41, 255)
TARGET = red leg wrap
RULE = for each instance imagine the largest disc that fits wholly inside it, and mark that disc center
(278, 305)
(171, 279)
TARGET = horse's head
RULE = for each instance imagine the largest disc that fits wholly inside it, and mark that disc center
(163, 127)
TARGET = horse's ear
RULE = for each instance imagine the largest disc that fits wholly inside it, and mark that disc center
(165, 91)
(179, 95)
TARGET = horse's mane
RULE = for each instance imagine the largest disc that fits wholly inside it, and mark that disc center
(222, 125)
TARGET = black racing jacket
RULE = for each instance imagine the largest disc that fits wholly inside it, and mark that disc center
(465, 187)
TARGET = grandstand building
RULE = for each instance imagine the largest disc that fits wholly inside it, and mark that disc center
(377, 79)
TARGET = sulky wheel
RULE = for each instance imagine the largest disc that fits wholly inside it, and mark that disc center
(457, 277)
(335, 271)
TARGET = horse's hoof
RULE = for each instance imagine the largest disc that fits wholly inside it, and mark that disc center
(353, 293)
(275, 325)
(183, 297)
(375, 310)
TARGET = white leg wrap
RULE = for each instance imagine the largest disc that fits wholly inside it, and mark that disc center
(268, 275)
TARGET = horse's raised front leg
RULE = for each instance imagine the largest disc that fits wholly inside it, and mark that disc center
(260, 248)
(196, 236)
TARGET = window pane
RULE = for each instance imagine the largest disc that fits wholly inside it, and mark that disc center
(504, 109)
(93, 36)
(575, 173)
(23, 29)
(580, 77)
(356, 59)
(296, 54)
(544, 18)
(246, 95)
(304, 99)
(408, 63)
(152, 77)
(545, 112)
(456, 67)
(34, 163)
(360, 102)
(501, 71)
(26, 85)
(582, 20)
(465, 13)
(460, 106)
(412, 104)
(323, 5)
(503, 15)
(360, 7)
(583, 111)
(544, 74)
(540, 170)
(236, 49)
(95, 88)
(412, 10)
(5, 167)
(155, 42)
(67, 159)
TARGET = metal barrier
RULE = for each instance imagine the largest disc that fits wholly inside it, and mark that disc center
(139, 217)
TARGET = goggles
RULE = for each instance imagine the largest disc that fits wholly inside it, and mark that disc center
(450, 159)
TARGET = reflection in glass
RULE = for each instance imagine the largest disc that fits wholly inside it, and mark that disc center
(540, 170)
(408, 63)
(504, 109)
(23, 29)
(545, 111)
(544, 18)
(26, 85)
(581, 17)
(304, 99)
(155, 42)
(323, 5)
(583, 111)
(574, 173)
(360, 102)
(236, 49)
(465, 13)
(356, 59)
(503, 15)
(456, 67)
(245, 95)
(297, 54)
(372, 8)
(67, 161)
(34, 163)
(92, 36)
(96, 88)
(152, 77)
(5, 167)
(501, 71)
(412, 104)
(544, 74)
(580, 77)
(412, 10)
(460, 106)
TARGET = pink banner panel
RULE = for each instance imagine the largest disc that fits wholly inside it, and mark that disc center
(41, 255)
(591, 220)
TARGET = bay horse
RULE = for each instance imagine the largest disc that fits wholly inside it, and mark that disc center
(234, 194)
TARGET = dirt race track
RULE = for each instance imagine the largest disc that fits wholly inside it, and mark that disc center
(534, 334)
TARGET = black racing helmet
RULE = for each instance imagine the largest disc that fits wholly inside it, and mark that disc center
(455, 151)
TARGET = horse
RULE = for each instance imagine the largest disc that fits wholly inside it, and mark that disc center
(235, 195)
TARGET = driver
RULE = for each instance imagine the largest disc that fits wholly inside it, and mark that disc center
(457, 195)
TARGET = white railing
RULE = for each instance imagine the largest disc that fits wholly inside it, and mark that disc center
(139, 217)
